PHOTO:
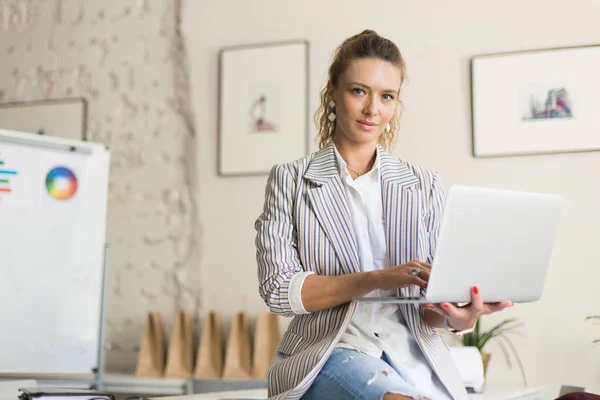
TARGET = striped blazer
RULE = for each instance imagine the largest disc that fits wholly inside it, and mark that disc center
(306, 226)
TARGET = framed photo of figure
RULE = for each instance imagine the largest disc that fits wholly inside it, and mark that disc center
(536, 102)
(263, 107)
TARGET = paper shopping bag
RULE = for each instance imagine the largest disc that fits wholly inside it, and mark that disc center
(151, 357)
(237, 354)
(209, 359)
(181, 351)
(266, 341)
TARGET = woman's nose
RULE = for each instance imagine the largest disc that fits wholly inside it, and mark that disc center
(371, 108)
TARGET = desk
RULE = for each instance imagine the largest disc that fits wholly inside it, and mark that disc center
(133, 384)
(234, 394)
(176, 387)
(533, 393)
(508, 393)
(114, 383)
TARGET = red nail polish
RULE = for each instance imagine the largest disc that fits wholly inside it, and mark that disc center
(475, 290)
(445, 305)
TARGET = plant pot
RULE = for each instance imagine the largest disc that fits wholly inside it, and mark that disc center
(485, 357)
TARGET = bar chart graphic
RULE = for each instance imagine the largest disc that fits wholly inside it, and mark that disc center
(5, 178)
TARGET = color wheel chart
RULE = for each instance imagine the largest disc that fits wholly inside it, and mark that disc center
(61, 183)
(5, 178)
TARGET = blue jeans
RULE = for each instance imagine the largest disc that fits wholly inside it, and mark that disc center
(349, 374)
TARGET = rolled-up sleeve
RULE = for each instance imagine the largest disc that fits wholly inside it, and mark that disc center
(276, 242)
(295, 292)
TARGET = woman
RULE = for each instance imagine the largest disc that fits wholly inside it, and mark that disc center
(351, 220)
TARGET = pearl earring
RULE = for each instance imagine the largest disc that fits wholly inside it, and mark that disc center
(388, 128)
(331, 115)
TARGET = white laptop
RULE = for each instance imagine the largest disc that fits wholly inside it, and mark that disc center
(499, 240)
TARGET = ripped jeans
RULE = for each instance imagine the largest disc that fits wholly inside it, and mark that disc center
(348, 374)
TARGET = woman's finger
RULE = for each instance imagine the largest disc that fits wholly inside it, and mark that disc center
(422, 265)
(447, 310)
(424, 274)
(476, 301)
(415, 271)
(452, 310)
(434, 308)
(490, 308)
(416, 280)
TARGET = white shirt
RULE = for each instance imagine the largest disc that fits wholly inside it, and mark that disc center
(364, 200)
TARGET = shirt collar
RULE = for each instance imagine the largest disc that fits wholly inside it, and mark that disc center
(376, 170)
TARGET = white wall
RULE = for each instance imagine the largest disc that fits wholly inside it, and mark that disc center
(437, 39)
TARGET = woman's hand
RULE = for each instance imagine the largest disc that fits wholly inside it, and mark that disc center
(411, 273)
(322, 292)
(464, 317)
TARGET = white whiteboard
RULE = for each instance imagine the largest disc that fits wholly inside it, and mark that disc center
(51, 253)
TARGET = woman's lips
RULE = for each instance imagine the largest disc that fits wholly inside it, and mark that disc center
(367, 125)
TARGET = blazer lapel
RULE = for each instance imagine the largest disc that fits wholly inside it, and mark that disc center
(401, 209)
(328, 200)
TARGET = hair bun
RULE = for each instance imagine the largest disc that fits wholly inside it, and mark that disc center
(369, 32)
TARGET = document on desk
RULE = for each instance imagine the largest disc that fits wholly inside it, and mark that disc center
(63, 394)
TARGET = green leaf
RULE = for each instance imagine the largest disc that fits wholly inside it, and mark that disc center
(508, 331)
(594, 317)
(514, 350)
(504, 326)
(505, 351)
(479, 338)
(467, 339)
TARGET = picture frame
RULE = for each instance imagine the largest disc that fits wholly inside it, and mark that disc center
(263, 106)
(63, 117)
(532, 102)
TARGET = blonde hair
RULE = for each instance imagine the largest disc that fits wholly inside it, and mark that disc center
(367, 44)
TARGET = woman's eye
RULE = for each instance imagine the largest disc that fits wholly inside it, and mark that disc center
(388, 97)
(357, 91)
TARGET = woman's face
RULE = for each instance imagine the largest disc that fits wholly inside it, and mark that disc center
(365, 100)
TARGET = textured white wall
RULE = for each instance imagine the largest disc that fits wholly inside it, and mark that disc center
(126, 59)
(437, 38)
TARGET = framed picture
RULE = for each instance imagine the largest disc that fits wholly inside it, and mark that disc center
(263, 107)
(536, 102)
(66, 118)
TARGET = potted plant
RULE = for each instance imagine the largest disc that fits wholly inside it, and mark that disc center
(594, 317)
(479, 338)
